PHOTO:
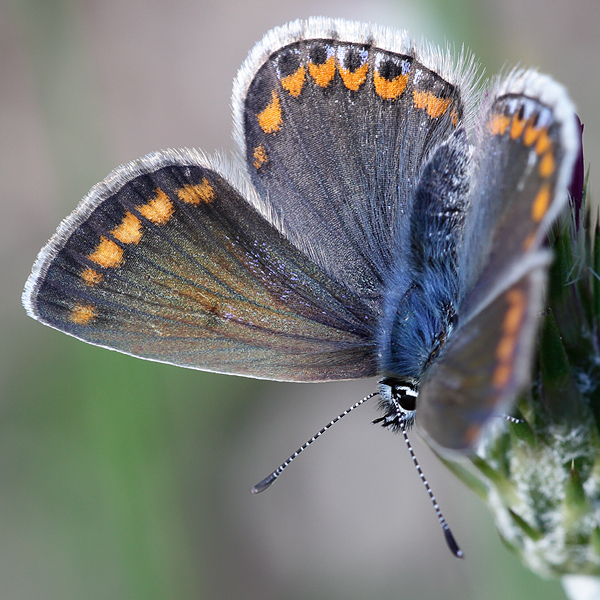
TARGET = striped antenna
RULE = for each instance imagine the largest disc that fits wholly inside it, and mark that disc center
(267, 481)
(454, 548)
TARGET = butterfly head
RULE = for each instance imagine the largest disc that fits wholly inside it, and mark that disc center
(398, 403)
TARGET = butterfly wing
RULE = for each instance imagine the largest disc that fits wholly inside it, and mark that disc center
(522, 165)
(485, 364)
(335, 133)
(166, 260)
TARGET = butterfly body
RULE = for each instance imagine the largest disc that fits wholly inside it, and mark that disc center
(420, 313)
(379, 220)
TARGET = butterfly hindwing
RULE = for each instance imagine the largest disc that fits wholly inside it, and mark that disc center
(166, 260)
(485, 364)
(521, 167)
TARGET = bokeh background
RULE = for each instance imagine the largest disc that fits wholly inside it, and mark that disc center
(129, 480)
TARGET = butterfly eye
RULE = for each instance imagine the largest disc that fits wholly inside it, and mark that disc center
(406, 396)
(400, 393)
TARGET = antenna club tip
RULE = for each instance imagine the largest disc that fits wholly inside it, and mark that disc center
(452, 543)
(264, 484)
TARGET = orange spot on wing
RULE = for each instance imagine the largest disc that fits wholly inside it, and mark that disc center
(529, 240)
(544, 143)
(159, 209)
(547, 165)
(129, 231)
(517, 127)
(497, 124)
(434, 105)
(322, 74)
(293, 83)
(82, 314)
(541, 203)
(91, 277)
(514, 315)
(270, 119)
(501, 375)
(260, 156)
(107, 254)
(354, 79)
(531, 133)
(195, 194)
(390, 90)
(505, 348)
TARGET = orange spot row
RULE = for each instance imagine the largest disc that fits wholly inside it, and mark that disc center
(270, 120)
(511, 325)
(323, 74)
(158, 210)
(499, 123)
(109, 255)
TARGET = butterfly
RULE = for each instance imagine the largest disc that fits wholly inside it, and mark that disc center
(385, 216)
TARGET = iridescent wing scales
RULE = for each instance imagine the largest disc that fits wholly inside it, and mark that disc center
(166, 260)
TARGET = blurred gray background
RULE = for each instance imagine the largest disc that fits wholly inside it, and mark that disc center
(129, 480)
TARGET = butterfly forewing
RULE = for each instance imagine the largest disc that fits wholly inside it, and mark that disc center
(171, 263)
(336, 134)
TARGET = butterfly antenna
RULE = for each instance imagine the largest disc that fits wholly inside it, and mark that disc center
(267, 481)
(447, 532)
(511, 419)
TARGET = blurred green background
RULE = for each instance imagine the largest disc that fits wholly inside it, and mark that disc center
(129, 480)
